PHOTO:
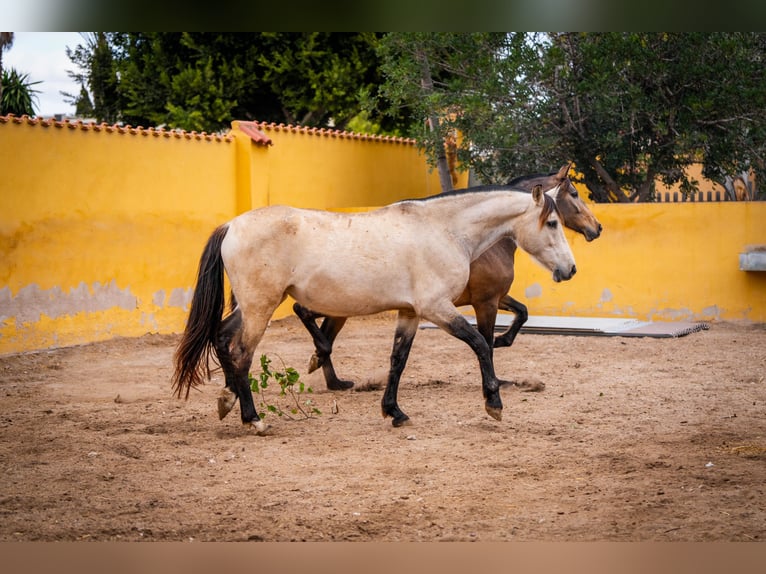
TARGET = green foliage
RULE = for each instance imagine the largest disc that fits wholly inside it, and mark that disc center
(290, 385)
(203, 80)
(18, 95)
(625, 107)
(99, 77)
(636, 106)
(83, 105)
(459, 81)
(201, 98)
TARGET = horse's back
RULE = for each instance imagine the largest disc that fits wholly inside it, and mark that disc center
(340, 231)
(335, 262)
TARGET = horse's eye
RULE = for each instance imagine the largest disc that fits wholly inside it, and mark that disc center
(573, 193)
(553, 223)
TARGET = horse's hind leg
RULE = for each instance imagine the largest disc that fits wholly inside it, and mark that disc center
(230, 327)
(323, 337)
(236, 356)
(331, 326)
(406, 328)
(322, 345)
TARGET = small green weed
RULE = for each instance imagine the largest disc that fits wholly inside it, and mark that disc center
(290, 385)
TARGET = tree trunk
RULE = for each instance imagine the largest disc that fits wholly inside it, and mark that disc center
(611, 186)
(644, 191)
(442, 166)
(427, 84)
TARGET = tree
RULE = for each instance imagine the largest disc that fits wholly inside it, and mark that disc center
(180, 80)
(18, 96)
(99, 73)
(626, 107)
(83, 105)
(203, 80)
(448, 82)
(632, 107)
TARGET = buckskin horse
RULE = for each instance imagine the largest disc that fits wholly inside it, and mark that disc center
(413, 256)
(491, 276)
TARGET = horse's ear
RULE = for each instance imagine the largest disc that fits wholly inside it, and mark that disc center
(562, 173)
(537, 194)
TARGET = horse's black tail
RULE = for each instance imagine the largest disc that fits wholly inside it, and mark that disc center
(204, 317)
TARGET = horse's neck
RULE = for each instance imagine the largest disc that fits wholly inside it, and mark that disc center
(483, 218)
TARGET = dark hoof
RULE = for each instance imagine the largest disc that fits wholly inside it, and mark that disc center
(339, 385)
(503, 342)
(402, 421)
(494, 412)
(494, 406)
(525, 386)
(399, 419)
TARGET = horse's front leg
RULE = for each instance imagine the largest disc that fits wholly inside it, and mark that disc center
(486, 316)
(457, 326)
(406, 328)
(520, 316)
(323, 338)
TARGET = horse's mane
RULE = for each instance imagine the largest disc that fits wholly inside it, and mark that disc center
(549, 204)
(467, 190)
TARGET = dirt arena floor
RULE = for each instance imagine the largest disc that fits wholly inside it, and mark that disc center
(631, 440)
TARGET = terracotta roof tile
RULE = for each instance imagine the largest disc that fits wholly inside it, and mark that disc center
(251, 129)
(261, 127)
(255, 130)
(125, 130)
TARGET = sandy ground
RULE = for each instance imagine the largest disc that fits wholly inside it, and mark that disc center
(632, 440)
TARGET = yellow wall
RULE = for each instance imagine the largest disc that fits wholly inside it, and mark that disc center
(101, 229)
(97, 229)
(323, 169)
(657, 262)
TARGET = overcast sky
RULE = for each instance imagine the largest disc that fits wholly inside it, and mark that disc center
(42, 55)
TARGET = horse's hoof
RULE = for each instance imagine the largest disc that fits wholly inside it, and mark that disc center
(494, 412)
(339, 385)
(313, 363)
(398, 418)
(402, 421)
(226, 402)
(502, 342)
(261, 428)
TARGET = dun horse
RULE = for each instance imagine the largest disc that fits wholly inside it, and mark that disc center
(412, 256)
(491, 276)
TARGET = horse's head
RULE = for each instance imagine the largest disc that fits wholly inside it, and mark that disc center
(574, 211)
(547, 243)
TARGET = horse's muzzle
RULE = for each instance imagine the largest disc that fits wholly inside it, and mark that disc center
(591, 234)
(559, 275)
